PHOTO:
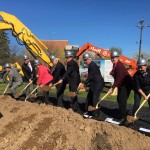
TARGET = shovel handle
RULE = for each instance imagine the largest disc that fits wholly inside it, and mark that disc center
(141, 106)
(79, 86)
(102, 99)
(55, 84)
(32, 92)
(26, 86)
(29, 84)
(6, 89)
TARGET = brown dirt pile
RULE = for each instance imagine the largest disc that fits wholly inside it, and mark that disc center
(30, 126)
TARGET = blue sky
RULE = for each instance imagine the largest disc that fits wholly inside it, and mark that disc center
(104, 23)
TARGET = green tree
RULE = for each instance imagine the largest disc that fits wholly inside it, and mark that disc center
(5, 53)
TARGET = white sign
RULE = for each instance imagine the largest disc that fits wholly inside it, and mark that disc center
(110, 120)
(107, 69)
(145, 130)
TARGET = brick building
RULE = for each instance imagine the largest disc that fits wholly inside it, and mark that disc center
(54, 45)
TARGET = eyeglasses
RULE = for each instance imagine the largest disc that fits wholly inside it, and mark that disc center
(139, 67)
(26, 59)
(113, 57)
(68, 57)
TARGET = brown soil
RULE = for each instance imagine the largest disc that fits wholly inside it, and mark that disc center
(30, 126)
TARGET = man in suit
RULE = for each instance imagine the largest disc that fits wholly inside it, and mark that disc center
(58, 72)
(73, 76)
(28, 69)
(96, 84)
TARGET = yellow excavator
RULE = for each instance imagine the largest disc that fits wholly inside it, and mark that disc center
(24, 37)
(22, 33)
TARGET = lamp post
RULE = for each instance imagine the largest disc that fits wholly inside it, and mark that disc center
(141, 26)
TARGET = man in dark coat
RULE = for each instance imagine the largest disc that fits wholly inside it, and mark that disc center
(141, 86)
(96, 84)
(28, 69)
(123, 81)
(73, 76)
(58, 72)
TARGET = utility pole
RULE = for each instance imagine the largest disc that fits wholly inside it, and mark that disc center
(141, 26)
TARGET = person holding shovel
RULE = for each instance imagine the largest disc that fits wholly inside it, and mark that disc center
(28, 69)
(96, 83)
(123, 81)
(73, 76)
(44, 78)
(58, 72)
(15, 79)
(141, 80)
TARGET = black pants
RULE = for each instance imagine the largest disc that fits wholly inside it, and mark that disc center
(60, 91)
(122, 97)
(93, 98)
(74, 100)
(93, 95)
(46, 97)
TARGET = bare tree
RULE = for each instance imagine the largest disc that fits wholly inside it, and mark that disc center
(60, 54)
(116, 49)
(144, 54)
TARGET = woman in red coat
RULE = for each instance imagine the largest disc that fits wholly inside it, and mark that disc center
(44, 78)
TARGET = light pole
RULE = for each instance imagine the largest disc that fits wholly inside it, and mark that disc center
(141, 26)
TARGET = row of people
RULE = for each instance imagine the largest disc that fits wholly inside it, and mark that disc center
(70, 75)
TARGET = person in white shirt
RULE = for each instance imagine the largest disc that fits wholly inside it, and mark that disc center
(28, 69)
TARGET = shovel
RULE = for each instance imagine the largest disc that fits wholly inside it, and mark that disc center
(91, 108)
(131, 119)
(19, 94)
(115, 92)
(31, 94)
(73, 94)
(47, 88)
(97, 105)
(5, 89)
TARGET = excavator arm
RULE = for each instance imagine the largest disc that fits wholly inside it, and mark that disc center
(21, 32)
(92, 48)
(131, 63)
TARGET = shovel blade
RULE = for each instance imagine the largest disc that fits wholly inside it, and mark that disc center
(32, 96)
(71, 94)
(131, 119)
(17, 95)
(46, 88)
(91, 108)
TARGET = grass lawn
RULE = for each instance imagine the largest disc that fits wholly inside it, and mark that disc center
(81, 94)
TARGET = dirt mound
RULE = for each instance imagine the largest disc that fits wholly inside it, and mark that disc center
(26, 125)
